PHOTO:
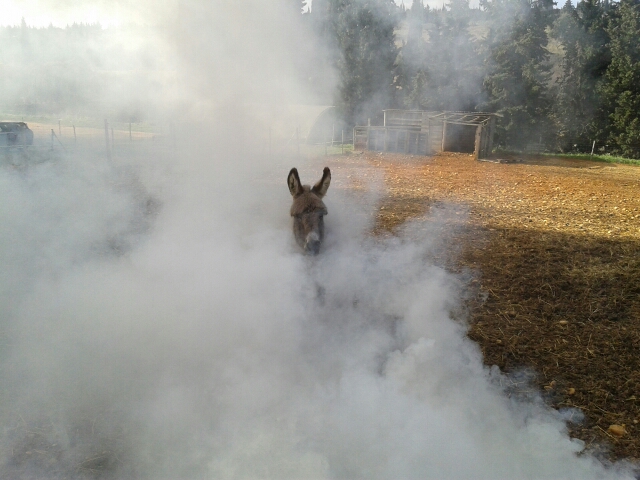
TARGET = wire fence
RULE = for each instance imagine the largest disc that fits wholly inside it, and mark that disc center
(111, 134)
(292, 143)
(114, 139)
(119, 140)
(590, 148)
(110, 140)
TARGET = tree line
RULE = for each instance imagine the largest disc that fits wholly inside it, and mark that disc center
(82, 69)
(560, 77)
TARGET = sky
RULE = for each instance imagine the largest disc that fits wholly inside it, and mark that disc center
(59, 14)
(43, 13)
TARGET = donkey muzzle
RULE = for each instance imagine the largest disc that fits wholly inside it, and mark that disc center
(312, 244)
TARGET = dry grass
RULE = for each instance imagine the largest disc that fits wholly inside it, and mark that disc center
(555, 248)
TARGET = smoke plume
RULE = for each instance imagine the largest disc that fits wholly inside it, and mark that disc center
(158, 320)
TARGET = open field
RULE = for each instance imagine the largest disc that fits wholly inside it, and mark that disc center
(67, 134)
(553, 250)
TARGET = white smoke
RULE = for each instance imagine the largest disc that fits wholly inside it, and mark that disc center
(158, 321)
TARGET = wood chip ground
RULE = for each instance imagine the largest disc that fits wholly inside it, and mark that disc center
(552, 250)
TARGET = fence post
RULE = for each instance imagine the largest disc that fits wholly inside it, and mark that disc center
(478, 141)
(444, 136)
(593, 147)
(106, 138)
(325, 144)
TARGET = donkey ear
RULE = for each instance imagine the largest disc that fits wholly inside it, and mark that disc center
(322, 186)
(293, 180)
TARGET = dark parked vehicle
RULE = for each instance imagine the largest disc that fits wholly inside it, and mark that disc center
(15, 134)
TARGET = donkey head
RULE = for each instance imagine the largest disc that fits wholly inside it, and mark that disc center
(308, 210)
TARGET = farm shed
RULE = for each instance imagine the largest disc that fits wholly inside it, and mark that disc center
(425, 133)
(465, 132)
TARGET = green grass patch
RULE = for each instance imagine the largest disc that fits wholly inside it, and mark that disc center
(594, 158)
(572, 156)
(330, 150)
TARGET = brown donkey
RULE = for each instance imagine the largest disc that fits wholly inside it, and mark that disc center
(308, 210)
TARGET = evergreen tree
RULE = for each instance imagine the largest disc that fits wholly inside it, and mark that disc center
(519, 71)
(363, 33)
(322, 59)
(412, 60)
(575, 97)
(621, 88)
(456, 67)
(581, 32)
(441, 65)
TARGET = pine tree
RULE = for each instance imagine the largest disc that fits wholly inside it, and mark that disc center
(519, 71)
(412, 60)
(621, 87)
(363, 32)
(457, 74)
(580, 30)
(445, 71)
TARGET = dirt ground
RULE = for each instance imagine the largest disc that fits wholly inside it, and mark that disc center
(553, 250)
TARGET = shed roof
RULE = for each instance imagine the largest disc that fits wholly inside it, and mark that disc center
(464, 118)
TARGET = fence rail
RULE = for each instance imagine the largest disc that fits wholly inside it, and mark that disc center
(116, 139)
(119, 140)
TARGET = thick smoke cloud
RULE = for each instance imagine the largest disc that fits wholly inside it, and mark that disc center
(158, 320)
